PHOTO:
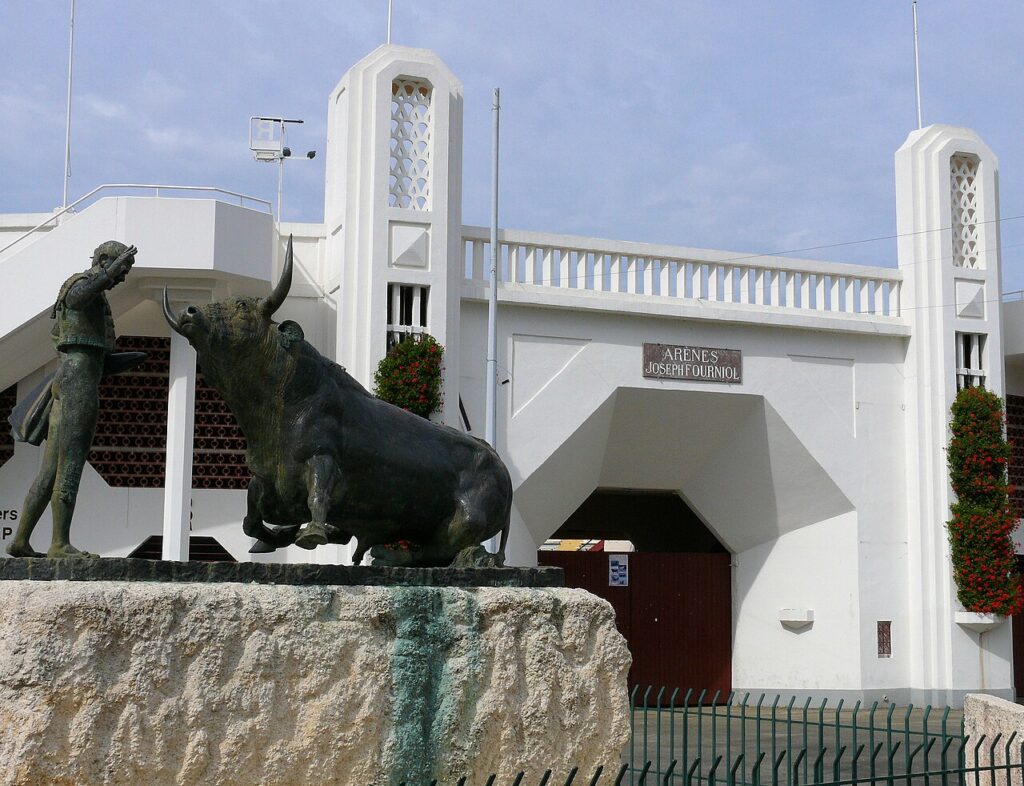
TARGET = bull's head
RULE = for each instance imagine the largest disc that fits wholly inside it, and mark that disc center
(231, 329)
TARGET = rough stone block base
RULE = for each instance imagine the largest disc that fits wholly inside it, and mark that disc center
(110, 682)
(999, 721)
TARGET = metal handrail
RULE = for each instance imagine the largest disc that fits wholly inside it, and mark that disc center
(157, 188)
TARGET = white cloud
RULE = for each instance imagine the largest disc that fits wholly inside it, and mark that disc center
(104, 108)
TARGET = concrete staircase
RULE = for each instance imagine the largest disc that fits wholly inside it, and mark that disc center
(188, 244)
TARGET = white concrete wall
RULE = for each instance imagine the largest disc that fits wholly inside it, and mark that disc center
(798, 470)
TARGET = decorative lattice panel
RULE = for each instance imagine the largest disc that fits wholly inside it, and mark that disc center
(965, 207)
(7, 401)
(131, 435)
(411, 129)
(1015, 436)
(218, 450)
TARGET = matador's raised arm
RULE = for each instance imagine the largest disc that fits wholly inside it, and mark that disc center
(99, 279)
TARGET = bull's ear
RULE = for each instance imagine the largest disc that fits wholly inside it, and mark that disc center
(290, 333)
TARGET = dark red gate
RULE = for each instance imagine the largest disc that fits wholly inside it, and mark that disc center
(676, 613)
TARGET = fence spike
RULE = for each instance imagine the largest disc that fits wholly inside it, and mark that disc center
(657, 727)
(516, 782)
(853, 761)
(597, 775)
(819, 766)
(775, 768)
(668, 773)
(572, 776)
(755, 773)
(713, 770)
(735, 766)
(622, 774)
(1006, 755)
(490, 781)
(836, 763)
(693, 768)
(796, 766)
(545, 778)
(643, 774)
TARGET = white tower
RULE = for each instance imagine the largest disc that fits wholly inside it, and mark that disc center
(393, 208)
(947, 211)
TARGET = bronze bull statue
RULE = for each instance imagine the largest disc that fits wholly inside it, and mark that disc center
(330, 461)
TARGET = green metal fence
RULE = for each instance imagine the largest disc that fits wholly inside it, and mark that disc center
(697, 738)
(785, 740)
(994, 771)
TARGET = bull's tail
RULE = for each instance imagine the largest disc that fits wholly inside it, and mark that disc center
(500, 554)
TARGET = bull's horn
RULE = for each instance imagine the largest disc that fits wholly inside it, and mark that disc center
(169, 315)
(276, 298)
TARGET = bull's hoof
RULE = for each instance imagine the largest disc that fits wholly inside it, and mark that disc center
(262, 547)
(311, 536)
(391, 557)
(477, 557)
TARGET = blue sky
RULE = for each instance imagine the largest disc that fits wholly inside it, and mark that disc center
(749, 125)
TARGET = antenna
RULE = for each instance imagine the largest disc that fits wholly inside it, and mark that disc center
(67, 130)
(917, 68)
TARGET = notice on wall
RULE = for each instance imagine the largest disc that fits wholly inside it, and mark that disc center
(703, 364)
(618, 570)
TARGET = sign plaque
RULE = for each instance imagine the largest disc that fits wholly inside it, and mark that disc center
(618, 570)
(702, 364)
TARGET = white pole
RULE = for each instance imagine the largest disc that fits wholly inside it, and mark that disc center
(67, 130)
(280, 188)
(280, 177)
(492, 305)
(917, 68)
(389, 21)
(181, 396)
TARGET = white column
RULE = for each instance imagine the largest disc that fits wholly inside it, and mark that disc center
(181, 398)
(938, 293)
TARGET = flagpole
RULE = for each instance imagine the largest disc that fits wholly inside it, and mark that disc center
(917, 68)
(67, 130)
(492, 303)
(389, 21)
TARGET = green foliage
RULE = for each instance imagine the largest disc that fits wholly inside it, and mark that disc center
(984, 562)
(409, 376)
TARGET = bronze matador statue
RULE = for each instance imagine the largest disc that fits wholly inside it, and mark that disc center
(64, 409)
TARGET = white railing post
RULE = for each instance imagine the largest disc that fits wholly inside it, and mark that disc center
(835, 283)
(478, 260)
(628, 263)
(758, 274)
(819, 292)
(728, 283)
(564, 264)
(790, 289)
(714, 288)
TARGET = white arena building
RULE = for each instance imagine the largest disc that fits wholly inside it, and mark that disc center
(778, 460)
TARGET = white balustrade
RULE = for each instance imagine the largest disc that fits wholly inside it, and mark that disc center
(620, 268)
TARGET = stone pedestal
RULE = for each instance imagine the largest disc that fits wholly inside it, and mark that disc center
(993, 722)
(230, 683)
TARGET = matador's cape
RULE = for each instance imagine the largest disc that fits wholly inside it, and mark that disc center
(30, 418)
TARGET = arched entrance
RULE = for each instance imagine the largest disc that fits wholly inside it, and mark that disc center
(667, 577)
